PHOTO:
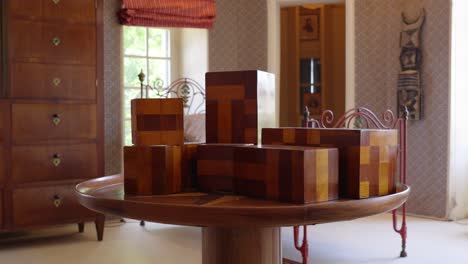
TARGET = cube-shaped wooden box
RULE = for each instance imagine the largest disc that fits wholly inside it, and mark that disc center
(157, 121)
(368, 157)
(158, 169)
(215, 167)
(287, 173)
(238, 105)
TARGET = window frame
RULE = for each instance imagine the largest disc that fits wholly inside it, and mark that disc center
(172, 71)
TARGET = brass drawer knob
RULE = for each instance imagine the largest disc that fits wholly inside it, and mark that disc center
(56, 41)
(56, 160)
(57, 201)
(56, 119)
(56, 1)
(56, 81)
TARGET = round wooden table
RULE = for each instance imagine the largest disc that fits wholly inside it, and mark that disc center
(236, 229)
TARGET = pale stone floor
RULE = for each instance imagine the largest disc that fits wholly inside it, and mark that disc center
(368, 240)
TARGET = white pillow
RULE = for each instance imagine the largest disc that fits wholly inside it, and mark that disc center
(194, 128)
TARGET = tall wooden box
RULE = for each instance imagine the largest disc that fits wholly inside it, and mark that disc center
(287, 173)
(157, 121)
(215, 167)
(368, 157)
(152, 170)
(238, 105)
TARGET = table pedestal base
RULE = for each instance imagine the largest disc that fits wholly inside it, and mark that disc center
(241, 246)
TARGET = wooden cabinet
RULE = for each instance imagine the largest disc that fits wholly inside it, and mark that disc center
(51, 111)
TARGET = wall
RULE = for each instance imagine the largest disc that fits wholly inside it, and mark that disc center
(459, 108)
(377, 27)
(112, 88)
(238, 40)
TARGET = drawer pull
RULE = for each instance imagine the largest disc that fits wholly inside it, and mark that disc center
(56, 41)
(56, 160)
(56, 81)
(57, 200)
(56, 1)
(56, 119)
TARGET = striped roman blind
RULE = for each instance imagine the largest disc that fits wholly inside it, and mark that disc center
(168, 13)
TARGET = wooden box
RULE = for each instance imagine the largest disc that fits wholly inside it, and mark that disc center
(287, 173)
(157, 122)
(159, 169)
(215, 167)
(368, 157)
(238, 105)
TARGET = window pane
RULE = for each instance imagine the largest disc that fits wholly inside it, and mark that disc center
(133, 67)
(135, 41)
(129, 95)
(159, 69)
(128, 133)
(158, 41)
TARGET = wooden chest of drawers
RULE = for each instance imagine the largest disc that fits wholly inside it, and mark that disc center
(51, 111)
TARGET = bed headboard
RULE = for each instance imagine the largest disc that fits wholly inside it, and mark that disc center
(192, 92)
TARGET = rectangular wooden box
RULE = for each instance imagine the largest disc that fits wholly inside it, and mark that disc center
(152, 170)
(287, 173)
(368, 157)
(159, 169)
(238, 105)
(215, 167)
(157, 122)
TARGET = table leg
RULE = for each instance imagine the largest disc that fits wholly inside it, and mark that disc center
(242, 246)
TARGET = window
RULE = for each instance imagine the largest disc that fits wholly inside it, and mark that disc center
(147, 49)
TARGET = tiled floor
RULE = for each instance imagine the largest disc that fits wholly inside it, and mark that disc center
(368, 240)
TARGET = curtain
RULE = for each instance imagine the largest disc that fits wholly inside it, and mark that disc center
(168, 13)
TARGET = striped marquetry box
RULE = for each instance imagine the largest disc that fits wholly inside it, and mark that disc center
(152, 170)
(238, 105)
(215, 167)
(189, 165)
(157, 121)
(368, 157)
(287, 173)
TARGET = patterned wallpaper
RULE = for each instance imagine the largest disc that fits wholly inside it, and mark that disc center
(378, 24)
(238, 40)
(112, 88)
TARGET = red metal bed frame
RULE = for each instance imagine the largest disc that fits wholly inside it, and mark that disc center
(367, 119)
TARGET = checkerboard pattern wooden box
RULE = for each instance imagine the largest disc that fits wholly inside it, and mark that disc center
(215, 167)
(159, 169)
(234, 111)
(287, 173)
(368, 157)
(157, 121)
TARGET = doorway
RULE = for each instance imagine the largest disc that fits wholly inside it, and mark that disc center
(313, 61)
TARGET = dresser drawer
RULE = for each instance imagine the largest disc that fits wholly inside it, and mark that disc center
(4, 114)
(81, 11)
(1, 208)
(46, 122)
(52, 81)
(54, 162)
(47, 205)
(2, 165)
(54, 43)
